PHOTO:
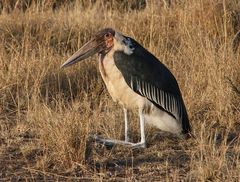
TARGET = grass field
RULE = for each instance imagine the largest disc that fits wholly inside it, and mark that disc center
(47, 114)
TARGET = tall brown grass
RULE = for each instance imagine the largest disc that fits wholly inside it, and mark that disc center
(47, 113)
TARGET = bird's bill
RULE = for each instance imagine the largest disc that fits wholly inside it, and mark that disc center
(89, 49)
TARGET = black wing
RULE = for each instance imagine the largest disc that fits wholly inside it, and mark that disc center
(147, 76)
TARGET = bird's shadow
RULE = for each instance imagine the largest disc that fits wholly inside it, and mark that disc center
(161, 150)
(116, 158)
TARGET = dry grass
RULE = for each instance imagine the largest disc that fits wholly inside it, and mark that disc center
(47, 114)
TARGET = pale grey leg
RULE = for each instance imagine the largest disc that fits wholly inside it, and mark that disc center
(142, 128)
(126, 124)
(141, 144)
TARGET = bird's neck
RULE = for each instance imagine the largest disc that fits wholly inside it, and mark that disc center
(101, 64)
(106, 62)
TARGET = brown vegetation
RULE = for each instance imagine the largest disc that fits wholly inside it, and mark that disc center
(47, 114)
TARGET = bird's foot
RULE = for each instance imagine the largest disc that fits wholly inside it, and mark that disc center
(112, 142)
(139, 145)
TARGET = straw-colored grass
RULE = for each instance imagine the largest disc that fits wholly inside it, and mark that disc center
(47, 114)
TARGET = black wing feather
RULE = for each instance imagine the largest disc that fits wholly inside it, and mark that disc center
(147, 76)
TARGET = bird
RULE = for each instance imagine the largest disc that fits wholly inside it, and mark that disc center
(136, 80)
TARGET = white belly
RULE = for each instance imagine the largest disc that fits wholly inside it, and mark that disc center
(163, 121)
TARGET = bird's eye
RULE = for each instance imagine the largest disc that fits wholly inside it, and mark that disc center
(107, 35)
(131, 46)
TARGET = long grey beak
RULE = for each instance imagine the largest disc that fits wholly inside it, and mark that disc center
(89, 49)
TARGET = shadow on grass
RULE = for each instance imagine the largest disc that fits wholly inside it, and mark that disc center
(162, 152)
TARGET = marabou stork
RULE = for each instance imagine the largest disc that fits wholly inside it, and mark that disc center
(137, 80)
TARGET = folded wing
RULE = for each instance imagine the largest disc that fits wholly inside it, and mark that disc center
(147, 76)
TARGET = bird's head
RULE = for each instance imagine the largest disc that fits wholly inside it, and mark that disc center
(102, 43)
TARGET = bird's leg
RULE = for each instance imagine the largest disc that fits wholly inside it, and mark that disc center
(142, 127)
(141, 144)
(126, 124)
